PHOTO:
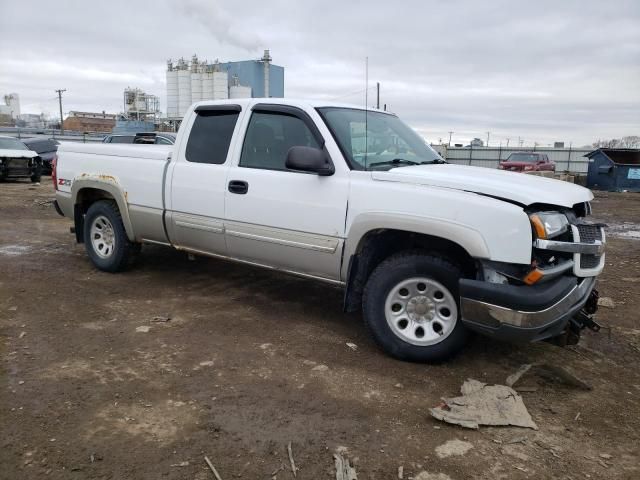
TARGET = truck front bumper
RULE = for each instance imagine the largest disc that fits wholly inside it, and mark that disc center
(523, 313)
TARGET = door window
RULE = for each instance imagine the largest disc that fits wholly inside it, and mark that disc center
(269, 138)
(210, 136)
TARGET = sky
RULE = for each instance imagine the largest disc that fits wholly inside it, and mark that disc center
(541, 71)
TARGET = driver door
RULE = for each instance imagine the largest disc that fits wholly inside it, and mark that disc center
(281, 218)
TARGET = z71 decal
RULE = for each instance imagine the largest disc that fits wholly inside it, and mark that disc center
(63, 182)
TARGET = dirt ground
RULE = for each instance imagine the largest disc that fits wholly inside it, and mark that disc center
(251, 360)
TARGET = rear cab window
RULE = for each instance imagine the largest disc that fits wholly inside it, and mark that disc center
(211, 134)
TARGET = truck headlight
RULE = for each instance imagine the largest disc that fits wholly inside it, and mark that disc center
(549, 224)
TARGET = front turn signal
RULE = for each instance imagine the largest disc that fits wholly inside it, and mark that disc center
(533, 276)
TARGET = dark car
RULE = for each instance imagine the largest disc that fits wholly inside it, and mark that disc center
(46, 149)
(151, 138)
(528, 162)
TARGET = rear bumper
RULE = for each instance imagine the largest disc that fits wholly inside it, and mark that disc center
(64, 204)
(523, 313)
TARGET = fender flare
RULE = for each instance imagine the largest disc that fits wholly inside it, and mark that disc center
(468, 238)
(111, 186)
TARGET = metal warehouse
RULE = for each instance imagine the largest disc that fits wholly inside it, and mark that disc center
(190, 82)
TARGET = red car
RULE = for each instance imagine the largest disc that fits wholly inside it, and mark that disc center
(527, 161)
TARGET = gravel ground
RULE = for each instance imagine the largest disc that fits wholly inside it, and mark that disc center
(250, 360)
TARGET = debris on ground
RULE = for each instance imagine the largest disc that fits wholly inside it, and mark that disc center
(352, 346)
(514, 377)
(482, 404)
(293, 464)
(563, 375)
(453, 448)
(181, 464)
(548, 372)
(22, 334)
(161, 318)
(212, 468)
(400, 472)
(344, 470)
(320, 368)
(606, 302)
(143, 329)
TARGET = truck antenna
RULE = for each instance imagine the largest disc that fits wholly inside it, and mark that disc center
(366, 110)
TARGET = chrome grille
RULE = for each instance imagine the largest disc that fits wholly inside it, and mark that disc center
(589, 233)
(589, 261)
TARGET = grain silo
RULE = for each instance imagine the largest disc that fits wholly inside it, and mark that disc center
(196, 81)
(184, 88)
(172, 91)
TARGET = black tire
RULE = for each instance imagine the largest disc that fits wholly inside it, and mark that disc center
(389, 274)
(123, 250)
(37, 174)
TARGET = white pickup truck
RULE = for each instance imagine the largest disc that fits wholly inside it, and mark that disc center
(430, 251)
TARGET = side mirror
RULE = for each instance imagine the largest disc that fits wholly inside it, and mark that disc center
(309, 159)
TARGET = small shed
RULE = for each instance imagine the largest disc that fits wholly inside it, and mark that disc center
(614, 169)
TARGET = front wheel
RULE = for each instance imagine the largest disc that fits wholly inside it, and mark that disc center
(105, 238)
(37, 174)
(411, 306)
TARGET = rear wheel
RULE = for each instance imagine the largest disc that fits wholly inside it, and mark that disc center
(411, 306)
(105, 238)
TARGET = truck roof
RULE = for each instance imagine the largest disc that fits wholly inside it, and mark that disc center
(294, 102)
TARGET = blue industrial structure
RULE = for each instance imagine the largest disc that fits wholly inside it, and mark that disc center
(614, 169)
(250, 73)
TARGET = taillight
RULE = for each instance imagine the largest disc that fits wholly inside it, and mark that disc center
(54, 174)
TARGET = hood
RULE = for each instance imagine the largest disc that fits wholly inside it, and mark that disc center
(6, 152)
(516, 187)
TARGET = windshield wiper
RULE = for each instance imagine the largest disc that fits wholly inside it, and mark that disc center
(395, 161)
(434, 161)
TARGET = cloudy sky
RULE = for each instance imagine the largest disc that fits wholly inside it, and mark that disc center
(540, 70)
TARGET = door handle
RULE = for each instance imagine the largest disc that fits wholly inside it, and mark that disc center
(238, 186)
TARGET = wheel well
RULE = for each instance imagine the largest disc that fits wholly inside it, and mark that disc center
(85, 198)
(380, 244)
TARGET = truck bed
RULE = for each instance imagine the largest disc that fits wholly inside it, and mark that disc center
(137, 169)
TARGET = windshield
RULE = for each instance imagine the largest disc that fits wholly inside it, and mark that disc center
(523, 157)
(12, 144)
(376, 141)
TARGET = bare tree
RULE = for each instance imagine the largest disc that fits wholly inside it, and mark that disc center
(630, 141)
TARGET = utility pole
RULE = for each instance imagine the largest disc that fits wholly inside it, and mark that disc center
(450, 133)
(508, 142)
(59, 92)
(378, 95)
(488, 138)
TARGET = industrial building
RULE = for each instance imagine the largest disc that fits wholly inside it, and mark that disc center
(140, 112)
(190, 82)
(10, 106)
(89, 122)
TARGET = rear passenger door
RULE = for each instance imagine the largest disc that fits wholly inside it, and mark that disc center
(198, 180)
(278, 217)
